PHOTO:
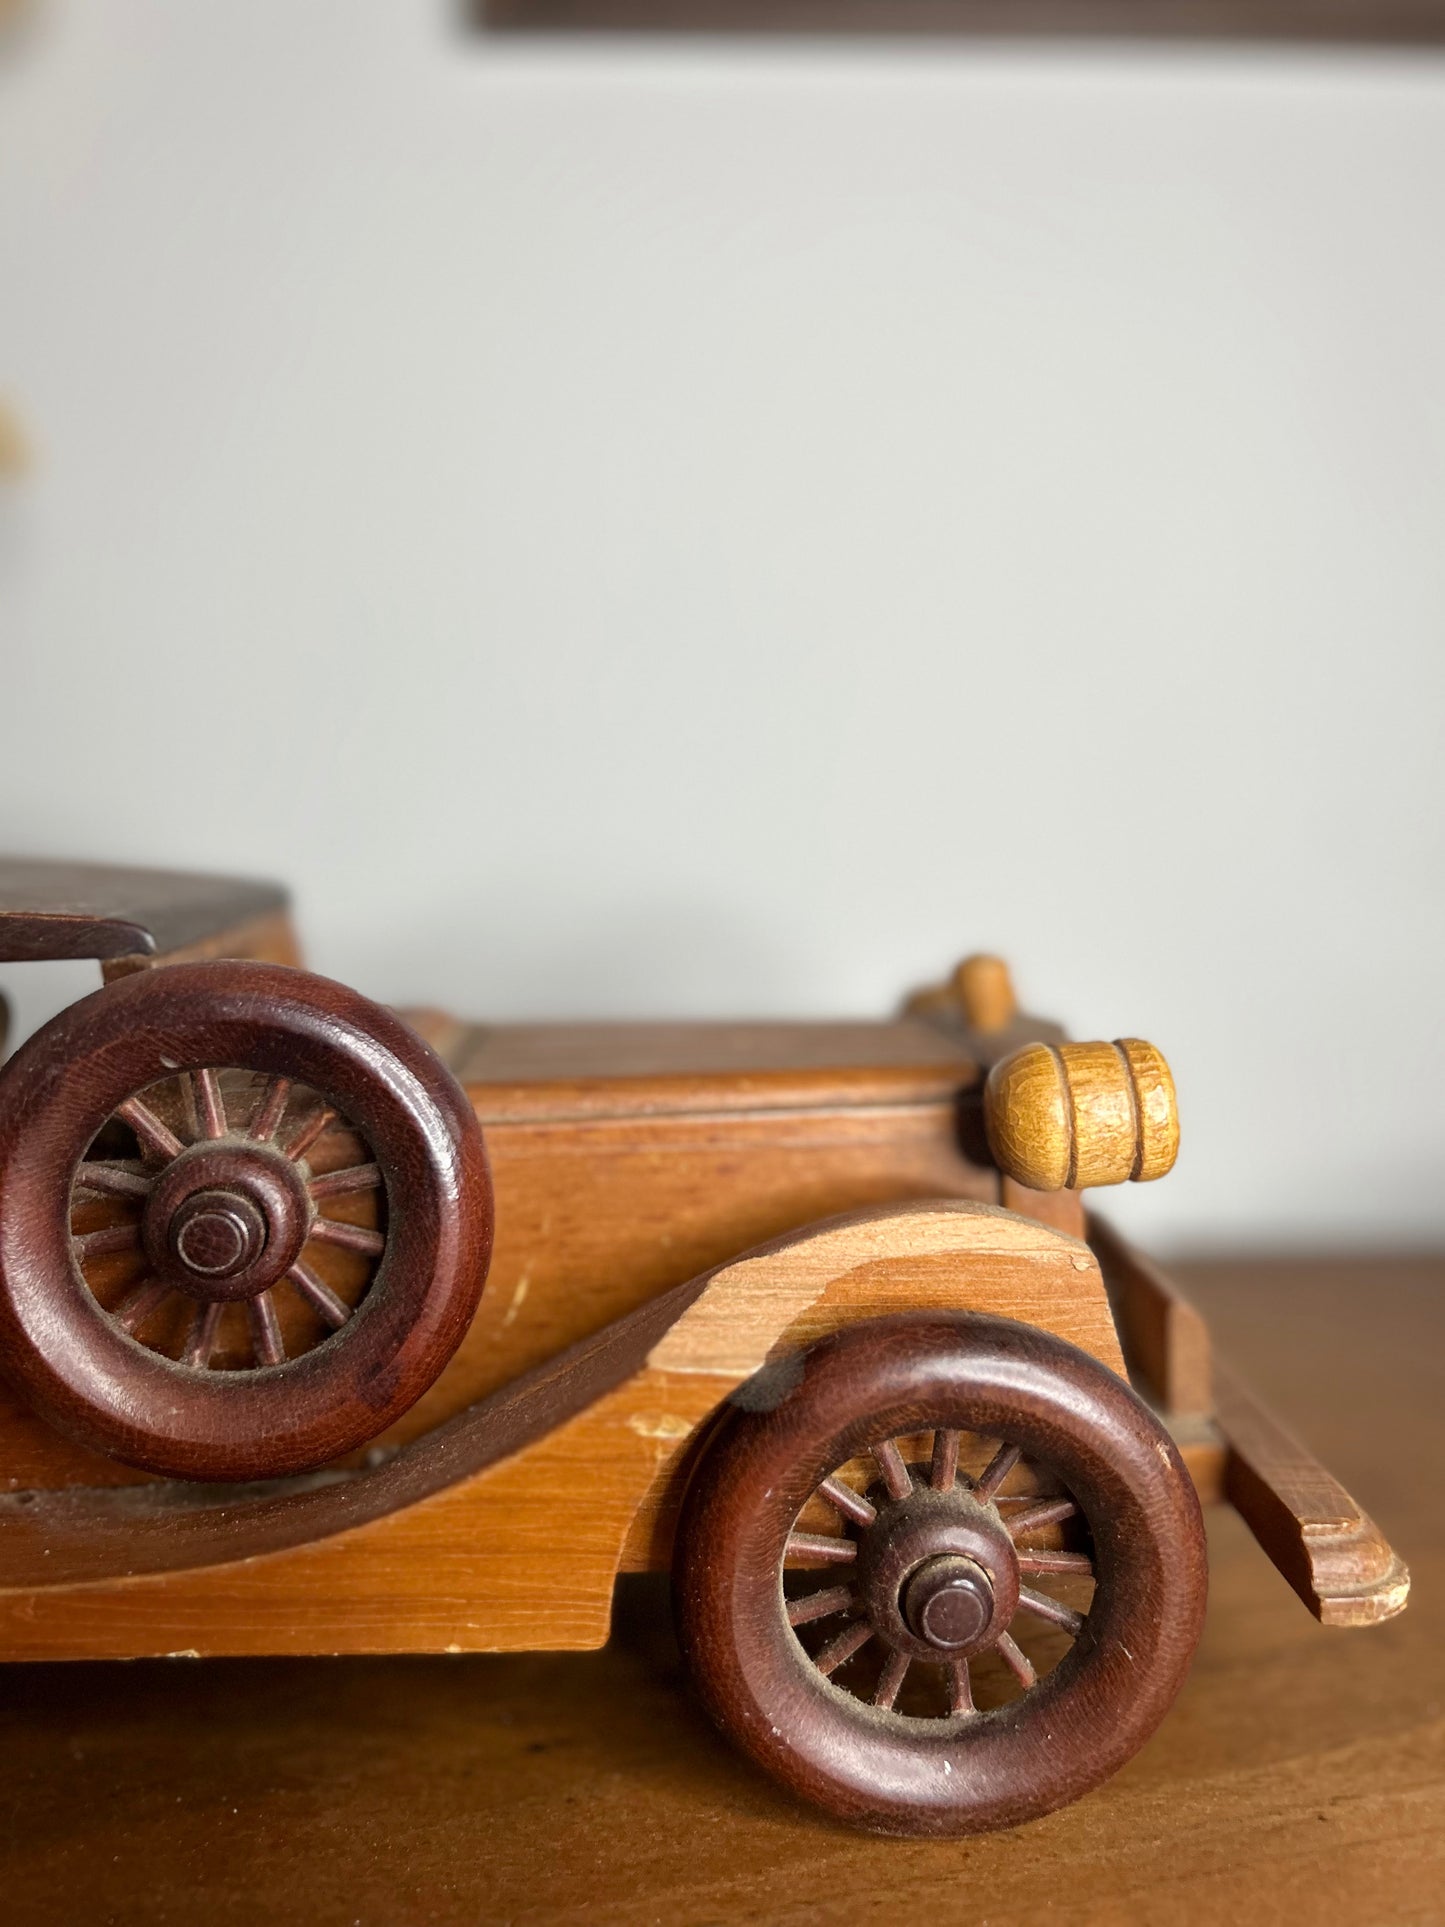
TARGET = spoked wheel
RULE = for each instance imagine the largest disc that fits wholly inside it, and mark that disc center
(245, 1218)
(952, 1580)
(940, 1562)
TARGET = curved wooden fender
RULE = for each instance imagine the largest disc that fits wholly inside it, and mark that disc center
(505, 1529)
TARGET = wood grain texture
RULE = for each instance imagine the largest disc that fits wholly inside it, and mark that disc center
(473, 1566)
(476, 1545)
(799, 1289)
(561, 1057)
(599, 1212)
(1412, 22)
(625, 1163)
(1330, 1551)
(1300, 1778)
(78, 1537)
(1069, 1116)
(1166, 1342)
(1064, 1210)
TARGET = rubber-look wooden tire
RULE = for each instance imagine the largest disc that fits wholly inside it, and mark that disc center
(95, 1383)
(895, 1377)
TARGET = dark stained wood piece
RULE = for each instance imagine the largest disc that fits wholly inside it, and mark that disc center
(890, 1378)
(84, 1371)
(1410, 22)
(59, 910)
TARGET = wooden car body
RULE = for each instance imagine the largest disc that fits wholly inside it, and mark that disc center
(809, 1314)
(680, 1207)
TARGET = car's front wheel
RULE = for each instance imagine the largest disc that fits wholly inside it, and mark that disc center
(952, 1579)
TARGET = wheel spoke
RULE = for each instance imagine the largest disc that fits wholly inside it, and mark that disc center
(351, 1237)
(210, 1105)
(270, 1109)
(848, 1642)
(112, 1237)
(819, 1605)
(319, 1122)
(1039, 1562)
(265, 1331)
(113, 1178)
(1051, 1609)
(960, 1688)
(944, 1469)
(896, 1476)
(319, 1296)
(890, 1679)
(154, 1136)
(1038, 1516)
(820, 1549)
(844, 1499)
(201, 1341)
(139, 1302)
(1017, 1661)
(995, 1472)
(336, 1184)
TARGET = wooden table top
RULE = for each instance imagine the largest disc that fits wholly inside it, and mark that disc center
(1300, 1777)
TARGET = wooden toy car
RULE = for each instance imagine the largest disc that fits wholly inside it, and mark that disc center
(808, 1313)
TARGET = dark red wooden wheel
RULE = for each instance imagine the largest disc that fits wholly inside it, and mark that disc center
(949, 1579)
(245, 1219)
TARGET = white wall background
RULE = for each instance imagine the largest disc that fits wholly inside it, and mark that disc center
(648, 528)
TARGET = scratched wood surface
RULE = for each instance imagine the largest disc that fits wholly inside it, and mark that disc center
(1301, 1776)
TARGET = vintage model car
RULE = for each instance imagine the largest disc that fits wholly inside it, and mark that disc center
(808, 1313)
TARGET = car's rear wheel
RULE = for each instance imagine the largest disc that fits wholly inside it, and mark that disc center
(245, 1218)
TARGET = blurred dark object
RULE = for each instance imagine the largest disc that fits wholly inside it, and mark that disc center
(1405, 22)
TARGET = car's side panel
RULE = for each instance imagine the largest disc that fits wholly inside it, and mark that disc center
(598, 1213)
(523, 1552)
(609, 1196)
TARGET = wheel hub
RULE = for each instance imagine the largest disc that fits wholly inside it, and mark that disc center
(215, 1234)
(939, 1574)
(226, 1220)
(948, 1602)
